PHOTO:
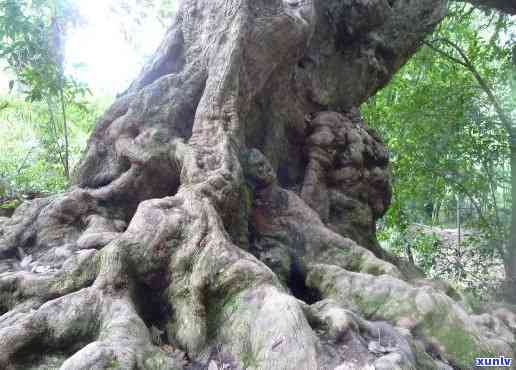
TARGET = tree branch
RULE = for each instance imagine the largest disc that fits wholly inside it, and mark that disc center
(484, 85)
(505, 6)
(444, 54)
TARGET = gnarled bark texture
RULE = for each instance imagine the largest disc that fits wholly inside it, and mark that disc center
(224, 210)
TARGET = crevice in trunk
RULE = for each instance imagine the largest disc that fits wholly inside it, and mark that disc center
(8, 254)
(297, 285)
(152, 307)
(4, 305)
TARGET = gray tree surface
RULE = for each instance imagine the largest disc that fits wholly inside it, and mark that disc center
(224, 210)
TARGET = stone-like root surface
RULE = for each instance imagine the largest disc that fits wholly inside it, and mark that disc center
(86, 330)
(180, 248)
(418, 324)
(220, 298)
(173, 291)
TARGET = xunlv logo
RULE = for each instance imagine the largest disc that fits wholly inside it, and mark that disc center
(493, 361)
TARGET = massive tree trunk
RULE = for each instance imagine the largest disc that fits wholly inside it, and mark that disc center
(224, 211)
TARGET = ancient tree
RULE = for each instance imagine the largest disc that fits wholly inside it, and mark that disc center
(224, 210)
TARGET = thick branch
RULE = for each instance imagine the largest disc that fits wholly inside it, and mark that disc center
(505, 6)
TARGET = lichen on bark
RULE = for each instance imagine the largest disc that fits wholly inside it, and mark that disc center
(222, 202)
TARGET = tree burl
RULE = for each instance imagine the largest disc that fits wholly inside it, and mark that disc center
(223, 212)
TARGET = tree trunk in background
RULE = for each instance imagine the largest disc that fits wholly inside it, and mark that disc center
(511, 250)
(458, 218)
(58, 51)
(66, 159)
(510, 258)
(215, 206)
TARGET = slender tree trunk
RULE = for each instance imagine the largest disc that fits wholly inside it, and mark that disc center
(511, 249)
(436, 212)
(458, 221)
(410, 256)
(58, 51)
(66, 158)
(510, 257)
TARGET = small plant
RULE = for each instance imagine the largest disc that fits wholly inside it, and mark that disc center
(10, 204)
(114, 365)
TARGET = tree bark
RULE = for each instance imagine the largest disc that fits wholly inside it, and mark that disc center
(196, 233)
(504, 6)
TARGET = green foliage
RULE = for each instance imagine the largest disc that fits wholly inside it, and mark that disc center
(426, 247)
(32, 34)
(28, 162)
(423, 247)
(448, 145)
(43, 135)
(11, 204)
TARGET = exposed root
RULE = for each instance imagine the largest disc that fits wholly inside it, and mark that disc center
(77, 272)
(76, 263)
(116, 335)
(55, 324)
(16, 231)
(221, 298)
(425, 313)
(216, 290)
(289, 234)
(123, 341)
(206, 280)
